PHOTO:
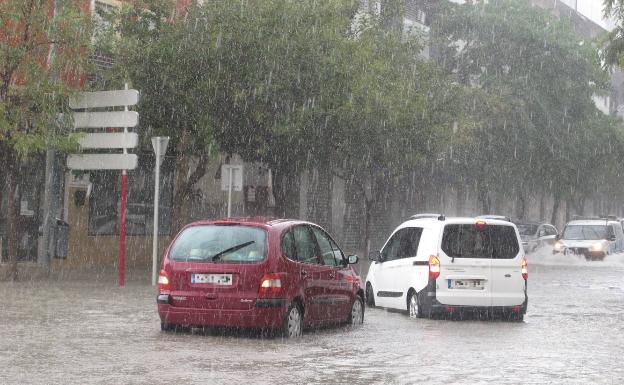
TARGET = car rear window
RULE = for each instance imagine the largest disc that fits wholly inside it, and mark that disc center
(527, 229)
(220, 244)
(587, 232)
(467, 241)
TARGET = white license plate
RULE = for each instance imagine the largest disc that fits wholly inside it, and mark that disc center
(215, 279)
(469, 284)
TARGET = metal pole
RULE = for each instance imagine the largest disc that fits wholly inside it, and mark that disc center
(229, 213)
(156, 196)
(122, 224)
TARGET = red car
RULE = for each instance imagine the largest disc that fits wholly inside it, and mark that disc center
(280, 275)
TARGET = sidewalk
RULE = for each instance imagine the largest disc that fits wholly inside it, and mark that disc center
(29, 271)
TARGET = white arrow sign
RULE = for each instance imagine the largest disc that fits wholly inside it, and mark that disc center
(113, 140)
(102, 161)
(106, 119)
(104, 99)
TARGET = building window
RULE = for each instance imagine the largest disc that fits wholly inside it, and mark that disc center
(104, 203)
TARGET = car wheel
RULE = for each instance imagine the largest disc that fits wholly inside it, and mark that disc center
(413, 305)
(356, 316)
(370, 296)
(293, 322)
(166, 327)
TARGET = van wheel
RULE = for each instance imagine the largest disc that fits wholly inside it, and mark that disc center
(293, 322)
(356, 316)
(370, 296)
(413, 305)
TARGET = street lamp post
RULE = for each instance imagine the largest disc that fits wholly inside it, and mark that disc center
(160, 148)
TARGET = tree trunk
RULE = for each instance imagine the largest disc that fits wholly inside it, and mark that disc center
(185, 180)
(12, 173)
(319, 197)
(367, 226)
(461, 198)
(556, 205)
(484, 199)
(286, 194)
(521, 208)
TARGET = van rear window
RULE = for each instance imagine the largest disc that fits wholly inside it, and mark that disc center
(466, 241)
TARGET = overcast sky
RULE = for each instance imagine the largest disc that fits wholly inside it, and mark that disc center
(592, 9)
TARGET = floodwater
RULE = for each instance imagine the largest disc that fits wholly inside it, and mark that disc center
(87, 331)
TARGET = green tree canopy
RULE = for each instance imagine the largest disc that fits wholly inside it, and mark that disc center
(44, 48)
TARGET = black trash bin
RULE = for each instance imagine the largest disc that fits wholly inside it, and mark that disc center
(60, 240)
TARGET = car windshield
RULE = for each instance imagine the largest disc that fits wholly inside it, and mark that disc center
(527, 229)
(467, 241)
(220, 243)
(589, 232)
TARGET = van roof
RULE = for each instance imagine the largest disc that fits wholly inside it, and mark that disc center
(432, 222)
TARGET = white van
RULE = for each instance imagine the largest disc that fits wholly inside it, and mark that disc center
(451, 266)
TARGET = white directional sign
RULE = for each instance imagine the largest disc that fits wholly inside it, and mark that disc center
(104, 99)
(102, 161)
(106, 119)
(113, 140)
(237, 177)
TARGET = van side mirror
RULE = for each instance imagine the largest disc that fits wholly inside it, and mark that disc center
(375, 256)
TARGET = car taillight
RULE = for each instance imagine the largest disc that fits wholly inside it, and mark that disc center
(434, 267)
(271, 284)
(525, 269)
(163, 281)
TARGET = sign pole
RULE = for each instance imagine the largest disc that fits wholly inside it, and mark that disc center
(229, 213)
(160, 149)
(122, 224)
(156, 203)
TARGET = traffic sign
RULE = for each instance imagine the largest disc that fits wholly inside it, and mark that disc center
(112, 140)
(237, 177)
(106, 119)
(97, 99)
(102, 161)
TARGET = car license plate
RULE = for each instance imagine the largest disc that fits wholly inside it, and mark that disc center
(215, 279)
(469, 284)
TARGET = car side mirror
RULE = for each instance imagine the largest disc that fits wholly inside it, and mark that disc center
(611, 238)
(375, 256)
(353, 259)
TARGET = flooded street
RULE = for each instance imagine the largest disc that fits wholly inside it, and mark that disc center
(84, 331)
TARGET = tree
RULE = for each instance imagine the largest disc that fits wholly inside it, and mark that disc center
(235, 75)
(532, 80)
(614, 50)
(43, 50)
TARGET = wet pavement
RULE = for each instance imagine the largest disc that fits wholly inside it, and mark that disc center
(90, 332)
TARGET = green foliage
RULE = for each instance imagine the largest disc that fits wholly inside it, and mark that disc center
(291, 83)
(534, 122)
(33, 90)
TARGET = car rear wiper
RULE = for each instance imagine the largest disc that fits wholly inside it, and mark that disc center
(217, 256)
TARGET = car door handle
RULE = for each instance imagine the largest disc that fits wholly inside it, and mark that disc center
(332, 275)
(304, 273)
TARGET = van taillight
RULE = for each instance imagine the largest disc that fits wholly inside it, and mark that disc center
(271, 284)
(525, 269)
(434, 267)
(163, 281)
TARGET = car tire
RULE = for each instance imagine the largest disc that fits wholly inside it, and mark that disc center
(167, 327)
(370, 296)
(414, 307)
(356, 315)
(293, 322)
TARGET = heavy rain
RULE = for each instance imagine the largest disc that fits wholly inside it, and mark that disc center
(318, 192)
